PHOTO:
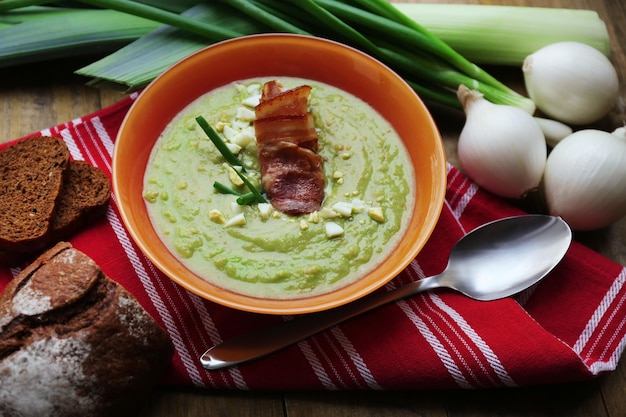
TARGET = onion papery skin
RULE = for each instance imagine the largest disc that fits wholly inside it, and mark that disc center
(571, 82)
(585, 179)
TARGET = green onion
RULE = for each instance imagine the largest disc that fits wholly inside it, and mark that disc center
(224, 189)
(15, 4)
(159, 15)
(250, 198)
(395, 27)
(242, 199)
(258, 198)
(176, 6)
(221, 146)
(266, 15)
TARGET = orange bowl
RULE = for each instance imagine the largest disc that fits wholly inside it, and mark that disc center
(279, 55)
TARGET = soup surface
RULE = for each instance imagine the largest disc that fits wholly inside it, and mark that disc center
(254, 249)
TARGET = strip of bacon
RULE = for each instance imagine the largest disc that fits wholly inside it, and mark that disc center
(292, 177)
(291, 171)
(271, 89)
(299, 130)
(275, 103)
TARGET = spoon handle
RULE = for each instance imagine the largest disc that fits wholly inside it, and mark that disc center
(268, 340)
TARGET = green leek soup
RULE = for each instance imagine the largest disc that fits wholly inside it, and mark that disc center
(254, 249)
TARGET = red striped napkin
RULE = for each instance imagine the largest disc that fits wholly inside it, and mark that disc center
(569, 327)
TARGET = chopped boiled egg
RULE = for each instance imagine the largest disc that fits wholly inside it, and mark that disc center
(333, 230)
(232, 175)
(217, 216)
(229, 132)
(245, 114)
(219, 126)
(328, 213)
(358, 206)
(254, 88)
(238, 220)
(265, 209)
(344, 209)
(376, 213)
(252, 101)
(234, 148)
(244, 138)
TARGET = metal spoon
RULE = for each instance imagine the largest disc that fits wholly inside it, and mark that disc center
(494, 261)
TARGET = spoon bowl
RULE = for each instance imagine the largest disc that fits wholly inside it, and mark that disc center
(493, 261)
(506, 256)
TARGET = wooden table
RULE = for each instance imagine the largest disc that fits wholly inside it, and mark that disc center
(35, 97)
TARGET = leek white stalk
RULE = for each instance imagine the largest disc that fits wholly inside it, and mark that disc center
(505, 35)
(584, 178)
(502, 148)
(571, 82)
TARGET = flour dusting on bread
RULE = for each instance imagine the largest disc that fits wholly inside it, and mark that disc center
(131, 316)
(29, 301)
(45, 374)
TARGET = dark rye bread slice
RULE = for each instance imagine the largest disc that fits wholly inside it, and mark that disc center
(31, 179)
(74, 342)
(84, 198)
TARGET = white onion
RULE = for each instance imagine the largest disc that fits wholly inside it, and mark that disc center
(585, 179)
(571, 82)
(500, 147)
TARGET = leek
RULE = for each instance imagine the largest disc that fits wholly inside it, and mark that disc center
(25, 14)
(136, 64)
(14, 17)
(505, 35)
(38, 37)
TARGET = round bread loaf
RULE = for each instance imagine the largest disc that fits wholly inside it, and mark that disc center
(75, 343)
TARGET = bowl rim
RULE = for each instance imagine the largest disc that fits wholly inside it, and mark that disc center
(280, 306)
